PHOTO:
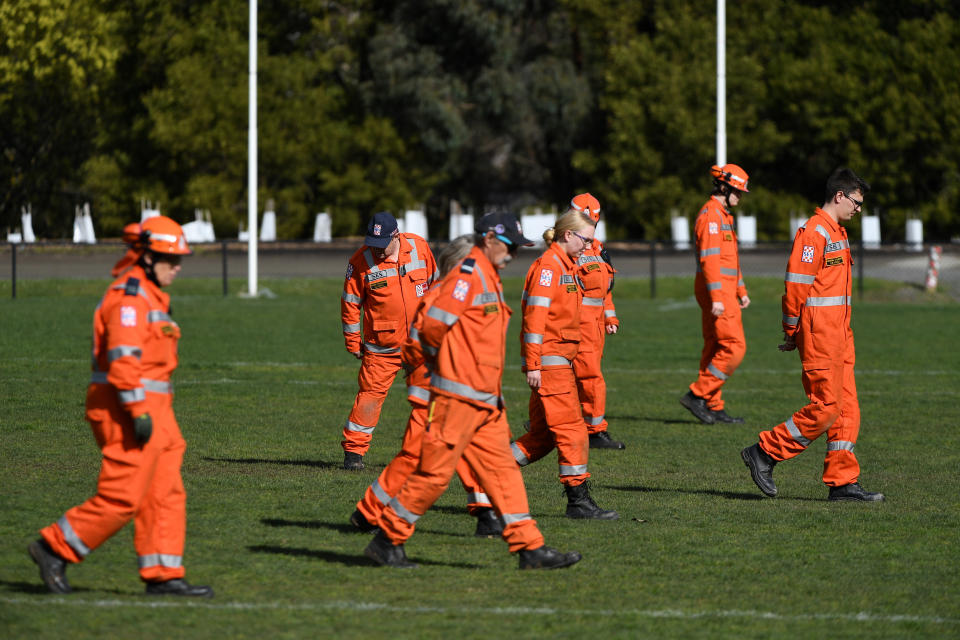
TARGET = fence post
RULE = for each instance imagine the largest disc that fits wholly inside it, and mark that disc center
(653, 269)
(13, 268)
(860, 257)
(223, 254)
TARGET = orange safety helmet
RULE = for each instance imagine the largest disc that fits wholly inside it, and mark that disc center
(731, 174)
(587, 205)
(159, 234)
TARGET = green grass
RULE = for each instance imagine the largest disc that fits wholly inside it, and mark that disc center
(262, 391)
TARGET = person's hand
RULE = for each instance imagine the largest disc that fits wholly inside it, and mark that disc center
(533, 379)
(717, 309)
(789, 343)
(744, 302)
(142, 428)
(357, 354)
(612, 328)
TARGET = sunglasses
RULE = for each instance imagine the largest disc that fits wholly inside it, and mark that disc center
(856, 203)
(586, 241)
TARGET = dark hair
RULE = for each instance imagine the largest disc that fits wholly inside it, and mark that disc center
(845, 180)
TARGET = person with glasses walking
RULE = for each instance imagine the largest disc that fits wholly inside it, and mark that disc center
(550, 339)
(721, 294)
(816, 323)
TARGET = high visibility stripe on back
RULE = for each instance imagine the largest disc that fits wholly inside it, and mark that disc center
(466, 391)
(123, 350)
(156, 386)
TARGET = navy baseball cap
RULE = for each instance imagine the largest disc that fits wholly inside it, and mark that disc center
(380, 230)
(505, 225)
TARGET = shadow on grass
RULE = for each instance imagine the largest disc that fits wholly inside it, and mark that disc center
(729, 495)
(304, 463)
(41, 589)
(350, 560)
(349, 528)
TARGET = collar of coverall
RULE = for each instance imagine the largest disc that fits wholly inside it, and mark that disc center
(567, 260)
(834, 225)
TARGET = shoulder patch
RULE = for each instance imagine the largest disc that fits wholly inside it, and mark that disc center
(349, 270)
(712, 228)
(128, 316)
(467, 265)
(546, 277)
(808, 253)
(133, 287)
(460, 290)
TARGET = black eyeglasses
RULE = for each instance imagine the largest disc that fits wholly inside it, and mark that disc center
(857, 203)
(586, 241)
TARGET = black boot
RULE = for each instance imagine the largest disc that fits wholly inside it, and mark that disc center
(721, 416)
(178, 587)
(854, 491)
(547, 558)
(361, 523)
(385, 553)
(698, 407)
(52, 567)
(761, 468)
(352, 461)
(602, 440)
(581, 505)
(488, 524)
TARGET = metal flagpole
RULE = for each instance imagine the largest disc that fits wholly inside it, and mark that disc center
(721, 83)
(252, 156)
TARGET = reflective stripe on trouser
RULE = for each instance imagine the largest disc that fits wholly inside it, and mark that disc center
(724, 346)
(142, 484)
(481, 437)
(556, 422)
(376, 375)
(833, 409)
(391, 479)
(591, 387)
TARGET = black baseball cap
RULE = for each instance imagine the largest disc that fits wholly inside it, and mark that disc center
(505, 225)
(380, 230)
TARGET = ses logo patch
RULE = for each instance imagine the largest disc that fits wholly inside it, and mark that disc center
(128, 316)
(546, 277)
(460, 290)
(807, 255)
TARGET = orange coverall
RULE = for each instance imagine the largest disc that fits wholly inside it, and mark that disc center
(597, 312)
(134, 353)
(718, 280)
(391, 479)
(549, 341)
(463, 340)
(388, 294)
(816, 312)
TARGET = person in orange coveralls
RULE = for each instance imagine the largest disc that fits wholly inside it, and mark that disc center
(386, 486)
(816, 322)
(130, 411)
(598, 317)
(384, 283)
(550, 339)
(463, 340)
(721, 294)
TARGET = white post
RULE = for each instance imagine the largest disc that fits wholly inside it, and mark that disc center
(721, 83)
(252, 155)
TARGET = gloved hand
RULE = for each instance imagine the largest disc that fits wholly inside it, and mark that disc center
(142, 428)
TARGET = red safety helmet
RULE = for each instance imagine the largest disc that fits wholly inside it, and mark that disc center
(159, 234)
(587, 205)
(731, 174)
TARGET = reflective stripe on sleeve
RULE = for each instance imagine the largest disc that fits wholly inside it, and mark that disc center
(791, 321)
(538, 301)
(127, 396)
(710, 252)
(716, 372)
(550, 361)
(518, 455)
(610, 313)
(795, 433)
(713, 286)
(353, 426)
(350, 328)
(403, 512)
(572, 469)
(829, 301)
(461, 389)
(160, 560)
(156, 386)
(800, 278)
(123, 350)
(71, 537)
(375, 348)
(533, 338)
(445, 317)
(840, 445)
(351, 298)
(419, 393)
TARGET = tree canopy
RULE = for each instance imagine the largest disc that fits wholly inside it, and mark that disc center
(367, 105)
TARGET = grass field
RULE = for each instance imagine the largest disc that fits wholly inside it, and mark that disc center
(265, 385)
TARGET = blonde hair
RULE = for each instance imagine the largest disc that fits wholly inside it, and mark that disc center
(572, 220)
(453, 253)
